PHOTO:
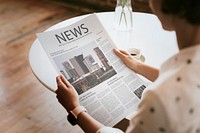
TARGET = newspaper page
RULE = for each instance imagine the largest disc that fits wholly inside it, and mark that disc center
(83, 54)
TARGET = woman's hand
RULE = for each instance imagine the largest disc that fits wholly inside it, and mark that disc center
(147, 71)
(68, 97)
(66, 94)
(127, 59)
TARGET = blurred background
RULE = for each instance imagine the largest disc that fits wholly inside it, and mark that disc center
(26, 106)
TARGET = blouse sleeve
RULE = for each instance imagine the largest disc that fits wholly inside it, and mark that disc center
(150, 117)
(109, 130)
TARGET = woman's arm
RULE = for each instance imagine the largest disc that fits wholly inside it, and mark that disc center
(148, 72)
(68, 97)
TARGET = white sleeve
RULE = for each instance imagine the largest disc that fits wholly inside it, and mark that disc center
(109, 130)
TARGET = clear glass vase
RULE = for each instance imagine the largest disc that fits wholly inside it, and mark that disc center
(123, 15)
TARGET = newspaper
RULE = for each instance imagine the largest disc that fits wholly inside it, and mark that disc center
(83, 54)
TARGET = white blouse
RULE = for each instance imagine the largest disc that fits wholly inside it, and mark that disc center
(172, 103)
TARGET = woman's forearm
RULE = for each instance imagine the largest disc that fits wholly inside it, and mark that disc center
(148, 72)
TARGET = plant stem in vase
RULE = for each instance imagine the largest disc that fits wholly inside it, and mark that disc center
(123, 15)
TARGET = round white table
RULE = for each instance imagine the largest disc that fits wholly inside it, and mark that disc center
(147, 35)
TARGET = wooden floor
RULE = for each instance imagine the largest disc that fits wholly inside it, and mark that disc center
(25, 105)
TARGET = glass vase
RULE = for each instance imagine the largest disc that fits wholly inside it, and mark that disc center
(123, 15)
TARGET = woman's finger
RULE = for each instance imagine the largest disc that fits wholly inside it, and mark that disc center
(124, 52)
(60, 82)
(118, 53)
(65, 81)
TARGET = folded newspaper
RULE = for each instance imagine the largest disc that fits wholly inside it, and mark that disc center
(83, 54)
